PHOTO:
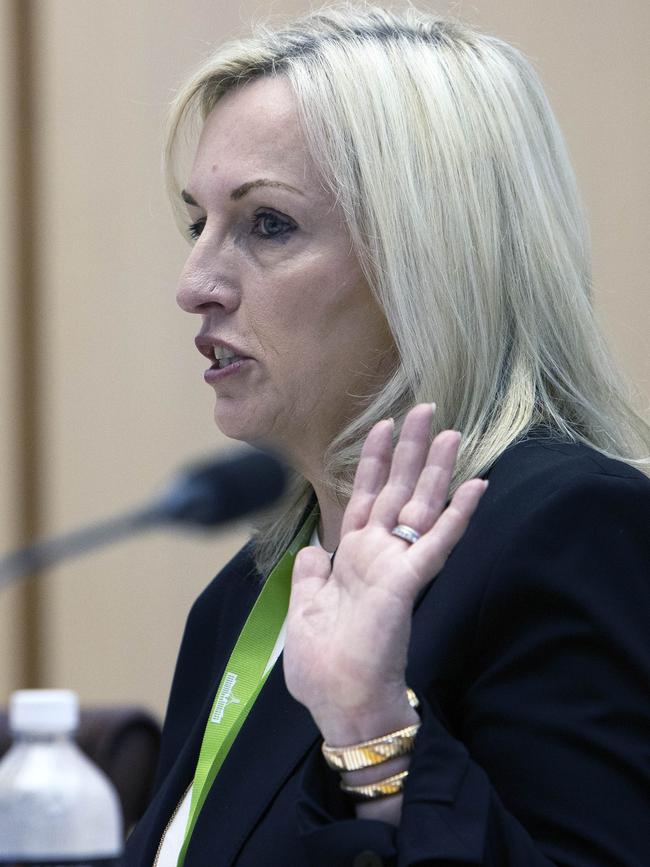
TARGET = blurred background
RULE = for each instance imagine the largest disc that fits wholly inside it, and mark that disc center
(101, 389)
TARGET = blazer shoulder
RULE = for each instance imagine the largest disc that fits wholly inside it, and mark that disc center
(563, 515)
(238, 581)
(565, 495)
(542, 464)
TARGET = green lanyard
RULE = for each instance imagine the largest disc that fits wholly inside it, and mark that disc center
(244, 675)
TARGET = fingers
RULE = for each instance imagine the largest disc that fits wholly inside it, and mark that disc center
(371, 475)
(432, 489)
(429, 554)
(407, 486)
(408, 462)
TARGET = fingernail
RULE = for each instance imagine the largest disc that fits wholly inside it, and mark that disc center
(434, 406)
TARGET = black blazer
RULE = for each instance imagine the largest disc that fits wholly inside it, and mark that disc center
(530, 653)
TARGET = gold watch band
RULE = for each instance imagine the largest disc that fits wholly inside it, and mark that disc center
(368, 753)
(381, 789)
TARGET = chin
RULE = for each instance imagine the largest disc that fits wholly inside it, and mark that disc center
(237, 424)
(257, 427)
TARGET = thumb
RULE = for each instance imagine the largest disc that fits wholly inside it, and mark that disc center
(311, 569)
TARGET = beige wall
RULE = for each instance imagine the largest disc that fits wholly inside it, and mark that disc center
(122, 397)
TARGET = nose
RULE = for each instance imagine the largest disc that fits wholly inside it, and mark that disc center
(203, 287)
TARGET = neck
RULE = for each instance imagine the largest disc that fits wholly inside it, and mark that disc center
(309, 463)
(331, 516)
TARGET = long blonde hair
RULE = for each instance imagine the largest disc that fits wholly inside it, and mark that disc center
(441, 147)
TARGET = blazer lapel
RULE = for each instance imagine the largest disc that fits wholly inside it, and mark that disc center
(277, 734)
(145, 840)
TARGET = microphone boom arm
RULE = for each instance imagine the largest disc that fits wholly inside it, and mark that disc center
(48, 552)
(206, 494)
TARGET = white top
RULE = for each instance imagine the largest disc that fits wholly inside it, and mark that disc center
(44, 711)
(172, 839)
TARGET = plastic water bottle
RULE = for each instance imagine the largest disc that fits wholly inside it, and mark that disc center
(56, 806)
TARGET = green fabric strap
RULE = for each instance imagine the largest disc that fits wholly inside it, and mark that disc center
(244, 676)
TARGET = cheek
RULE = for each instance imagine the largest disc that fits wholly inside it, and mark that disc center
(317, 319)
(297, 307)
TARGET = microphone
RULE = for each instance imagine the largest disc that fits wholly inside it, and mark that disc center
(214, 492)
(206, 494)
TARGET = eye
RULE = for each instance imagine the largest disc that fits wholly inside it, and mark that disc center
(194, 229)
(269, 226)
(265, 224)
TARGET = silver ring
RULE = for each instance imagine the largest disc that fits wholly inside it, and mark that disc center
(405, 532)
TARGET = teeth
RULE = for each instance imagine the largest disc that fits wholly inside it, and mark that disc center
(224, 357)
(222, 352)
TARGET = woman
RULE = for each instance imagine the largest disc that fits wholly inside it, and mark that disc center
(384, 216)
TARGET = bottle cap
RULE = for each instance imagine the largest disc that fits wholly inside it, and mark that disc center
(38, 711)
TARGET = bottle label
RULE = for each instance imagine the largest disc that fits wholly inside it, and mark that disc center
(82, 862)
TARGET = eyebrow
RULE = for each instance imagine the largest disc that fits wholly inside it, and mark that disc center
(240, 192)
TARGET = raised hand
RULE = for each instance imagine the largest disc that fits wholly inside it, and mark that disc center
(349, 624)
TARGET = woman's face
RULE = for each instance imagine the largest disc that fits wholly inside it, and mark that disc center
(274, 280)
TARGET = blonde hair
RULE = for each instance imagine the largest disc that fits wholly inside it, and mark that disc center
(441, 147)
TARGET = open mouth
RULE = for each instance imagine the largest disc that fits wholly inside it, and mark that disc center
(224, 357)
(227, 361)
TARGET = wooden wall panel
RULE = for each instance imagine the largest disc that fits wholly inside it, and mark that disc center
(10, 598)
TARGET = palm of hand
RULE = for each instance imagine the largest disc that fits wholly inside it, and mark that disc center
(349, 624)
